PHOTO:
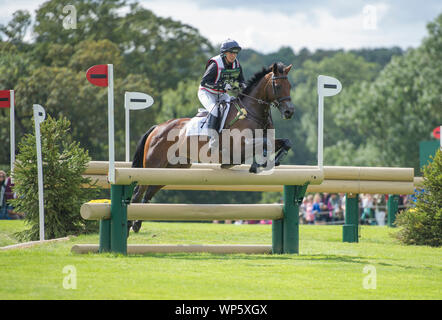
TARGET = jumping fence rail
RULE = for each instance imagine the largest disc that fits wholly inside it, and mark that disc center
(293, 181)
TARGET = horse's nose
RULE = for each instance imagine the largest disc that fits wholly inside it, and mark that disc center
(288, 114)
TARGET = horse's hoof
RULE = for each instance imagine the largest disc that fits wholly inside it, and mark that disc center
(137, 226)
(129, 225)
(253, 169)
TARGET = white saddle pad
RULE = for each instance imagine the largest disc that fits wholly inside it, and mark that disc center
(197, 126)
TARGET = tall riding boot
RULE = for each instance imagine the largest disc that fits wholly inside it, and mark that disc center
(213, 123)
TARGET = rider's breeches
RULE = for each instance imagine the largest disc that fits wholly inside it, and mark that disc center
(210, 100)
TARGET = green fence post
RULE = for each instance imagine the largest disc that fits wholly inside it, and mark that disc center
(105, 232)
(118, 220)
(277, 245)
(293, 196)
(393, 206)
(350, 228)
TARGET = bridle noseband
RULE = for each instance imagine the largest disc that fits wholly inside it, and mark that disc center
(280, 99)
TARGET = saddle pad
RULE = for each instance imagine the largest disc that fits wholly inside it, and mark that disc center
(197, 126)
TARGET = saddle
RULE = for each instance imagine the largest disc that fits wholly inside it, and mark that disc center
(202, 113)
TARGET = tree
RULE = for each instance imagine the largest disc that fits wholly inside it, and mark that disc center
(63, 165)
(422, 224)
(180, 103)
(402, 106)
(16, 29)
(350, 70)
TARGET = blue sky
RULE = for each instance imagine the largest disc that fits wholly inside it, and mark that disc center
(267, 25)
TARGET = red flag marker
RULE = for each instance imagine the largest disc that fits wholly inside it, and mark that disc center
(436, 132)
(98, 75)
(5, 98)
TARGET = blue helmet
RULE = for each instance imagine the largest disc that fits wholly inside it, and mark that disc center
(230, 46)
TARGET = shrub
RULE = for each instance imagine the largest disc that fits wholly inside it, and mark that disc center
(422, 225)
(63, 165)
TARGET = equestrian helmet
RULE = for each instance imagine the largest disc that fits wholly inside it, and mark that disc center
(230, 45)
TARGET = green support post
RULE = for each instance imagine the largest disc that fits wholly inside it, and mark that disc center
(393, 206)
(293, 196)
(105, 232)
(118, 220)
(277, 245)
(350, 228)
(120, 198)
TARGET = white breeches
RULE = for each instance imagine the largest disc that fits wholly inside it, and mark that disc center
(209, 100)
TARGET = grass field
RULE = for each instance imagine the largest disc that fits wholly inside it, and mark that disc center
(326, 268)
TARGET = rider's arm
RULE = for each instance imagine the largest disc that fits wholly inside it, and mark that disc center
(209, 77)
(241, 80)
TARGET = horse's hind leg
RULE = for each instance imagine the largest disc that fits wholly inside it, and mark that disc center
(136, 198)
(151, 191)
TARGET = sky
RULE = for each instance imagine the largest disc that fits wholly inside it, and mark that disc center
(266, 25)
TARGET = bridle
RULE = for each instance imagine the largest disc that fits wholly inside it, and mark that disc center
(276, 102)
(280, 99)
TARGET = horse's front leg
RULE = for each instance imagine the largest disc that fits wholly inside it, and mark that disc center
(282, 147)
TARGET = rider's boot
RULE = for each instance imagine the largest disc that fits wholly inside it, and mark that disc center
(213, 124)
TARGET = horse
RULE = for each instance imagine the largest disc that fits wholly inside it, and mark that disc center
(269, 87)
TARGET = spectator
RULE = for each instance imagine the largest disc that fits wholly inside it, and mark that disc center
(380, 206)
(367, 209)
(6, 193)
(309, 215)
(335, 206)
(342, 199)
(319, 208)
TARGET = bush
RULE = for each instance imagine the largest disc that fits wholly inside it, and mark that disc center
(63, 165)
(422, 225)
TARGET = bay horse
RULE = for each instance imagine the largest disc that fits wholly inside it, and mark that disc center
(266, 88)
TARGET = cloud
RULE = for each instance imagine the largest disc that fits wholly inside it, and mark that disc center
(318, 27)
(268, 25)
(9, 7)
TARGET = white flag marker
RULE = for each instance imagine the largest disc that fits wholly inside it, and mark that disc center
(327, 87)
(39, 117)
(134, 101)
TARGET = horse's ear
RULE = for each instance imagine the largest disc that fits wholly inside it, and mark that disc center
(287, 69)
(275, 68)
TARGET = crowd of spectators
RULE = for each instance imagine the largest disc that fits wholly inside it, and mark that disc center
(329, 208)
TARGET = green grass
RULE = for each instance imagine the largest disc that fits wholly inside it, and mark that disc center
(326, 268)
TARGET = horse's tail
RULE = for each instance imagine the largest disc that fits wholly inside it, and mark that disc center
(139, 153)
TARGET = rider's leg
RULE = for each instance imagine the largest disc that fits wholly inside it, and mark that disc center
(210, 102)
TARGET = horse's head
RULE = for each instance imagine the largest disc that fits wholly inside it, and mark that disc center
(279, 90)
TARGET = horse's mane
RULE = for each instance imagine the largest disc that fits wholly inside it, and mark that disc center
(254, 80)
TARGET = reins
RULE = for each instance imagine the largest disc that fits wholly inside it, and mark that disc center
(244, 112)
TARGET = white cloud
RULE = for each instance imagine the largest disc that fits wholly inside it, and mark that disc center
(330, 26)
(9, 7)
(268, 31)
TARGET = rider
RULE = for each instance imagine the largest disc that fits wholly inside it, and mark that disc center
(223, 73)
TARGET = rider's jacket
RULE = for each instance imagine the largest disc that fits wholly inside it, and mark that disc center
(219, 72)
